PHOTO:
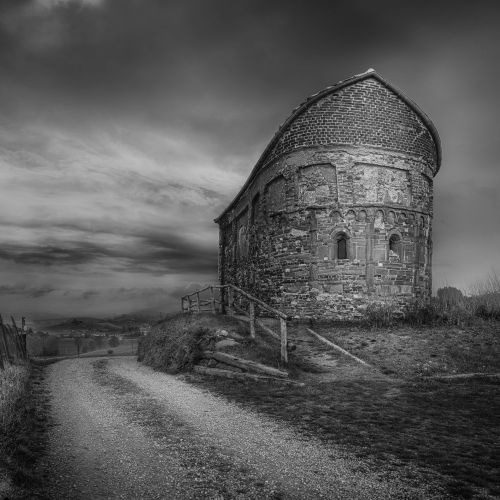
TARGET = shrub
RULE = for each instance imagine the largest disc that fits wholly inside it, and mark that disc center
(420, 312)
(450, 296)
(110, 351)
(380, 314)
(486, 306)
(176, 343)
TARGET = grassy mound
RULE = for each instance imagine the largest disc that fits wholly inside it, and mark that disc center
(175, 344)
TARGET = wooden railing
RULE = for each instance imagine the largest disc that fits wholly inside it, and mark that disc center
(12, 343)
(232, 299)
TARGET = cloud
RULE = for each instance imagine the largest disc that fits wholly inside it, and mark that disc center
(128, 126)
(24, 290)
(50, 4)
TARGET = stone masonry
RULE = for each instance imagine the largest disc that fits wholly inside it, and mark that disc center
(337, 212)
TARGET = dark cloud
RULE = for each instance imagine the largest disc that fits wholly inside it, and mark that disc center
(211, 67)
(46, 256)
(27, 291)
(150, 254)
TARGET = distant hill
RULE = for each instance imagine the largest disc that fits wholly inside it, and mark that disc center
(117, 324)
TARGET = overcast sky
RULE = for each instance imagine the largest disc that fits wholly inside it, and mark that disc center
(126, 126)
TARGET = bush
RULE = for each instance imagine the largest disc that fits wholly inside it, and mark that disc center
(450, 296)
(486, 306)
(420, 312)
(380, 314)
(176, 343)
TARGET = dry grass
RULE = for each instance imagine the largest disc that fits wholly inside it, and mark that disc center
(408, 352)
(175, 343)
(450, 431)
(13, 380)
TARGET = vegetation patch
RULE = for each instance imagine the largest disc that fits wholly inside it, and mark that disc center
(416, 351)
(24, 419)
(176, 343)
(13, 381)
(449, 431)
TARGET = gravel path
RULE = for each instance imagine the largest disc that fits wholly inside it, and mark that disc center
(123, 430)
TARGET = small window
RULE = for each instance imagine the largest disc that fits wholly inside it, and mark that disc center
(342, 247)
(395, 246)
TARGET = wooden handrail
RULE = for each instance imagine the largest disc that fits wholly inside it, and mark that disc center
(232, 307)
(255, 300)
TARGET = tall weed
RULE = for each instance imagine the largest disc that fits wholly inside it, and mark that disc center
(13, 380)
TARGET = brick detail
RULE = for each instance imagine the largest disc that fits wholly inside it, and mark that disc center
(365, 113)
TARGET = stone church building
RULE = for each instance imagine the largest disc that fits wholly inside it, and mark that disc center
(337, 212)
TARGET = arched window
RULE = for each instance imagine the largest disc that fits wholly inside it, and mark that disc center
(342, 247)
(395, 246)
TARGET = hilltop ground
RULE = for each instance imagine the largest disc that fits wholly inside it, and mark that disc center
(394, 412)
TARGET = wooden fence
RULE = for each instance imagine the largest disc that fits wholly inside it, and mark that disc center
(12, 343)
(229, 299)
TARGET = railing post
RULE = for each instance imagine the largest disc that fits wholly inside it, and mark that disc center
(284, 341)
(230, 298)
(222, 296)
(198, 302)
(182, 304)
(212, 299)
(189, 303)
(251, 308)
(5, 338)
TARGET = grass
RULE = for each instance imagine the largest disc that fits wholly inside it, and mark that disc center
(448, 430)
(13, 380)
(407, 351)
(24, 410)
(451, 430)
(13, 394)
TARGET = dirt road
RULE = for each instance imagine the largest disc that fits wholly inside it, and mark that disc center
(124, 431)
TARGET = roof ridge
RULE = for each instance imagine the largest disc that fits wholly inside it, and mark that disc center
(369, 73)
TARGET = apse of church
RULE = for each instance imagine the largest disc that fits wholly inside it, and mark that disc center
(337, 213)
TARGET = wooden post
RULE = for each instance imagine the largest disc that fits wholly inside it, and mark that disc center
(197, 302)
(182, 304)
(2, 354)
(222, 296)
(15, 342)
(5, 342)
(251, 310)
(213, 299)
(24, 337)
(189, 303)
(17, 339)
(230, 299)
(284, 341)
